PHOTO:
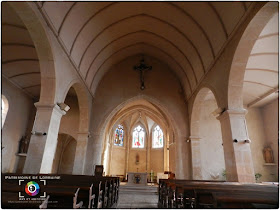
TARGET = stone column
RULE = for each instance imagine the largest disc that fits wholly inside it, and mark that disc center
(196, 157)
(148, 152)
(96, 151)
(80, 155)
(238, 159)
(166, 153)
(42, 148)
(182, 158)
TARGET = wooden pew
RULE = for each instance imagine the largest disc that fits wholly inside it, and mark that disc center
(245, 200)
(198, 194)
(168, 192)
(91, 190)
(60, 196)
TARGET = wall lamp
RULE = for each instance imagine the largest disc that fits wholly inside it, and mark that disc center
(235, 140)
(63, 107)
(38, 133)
(247, 141)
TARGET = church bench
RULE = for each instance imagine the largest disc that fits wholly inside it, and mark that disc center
(203, 194)
(246, 200)
(193, 193)
(9, 201)
(165, 192)
(103, 188)
(109, 187)
(60, 196)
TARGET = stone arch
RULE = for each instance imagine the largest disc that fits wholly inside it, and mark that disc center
(171, 124)
(154, 101)
(196, 108)
(63, 161)
(83, 101)
(41, 41)
(197, 139)
(242, 53)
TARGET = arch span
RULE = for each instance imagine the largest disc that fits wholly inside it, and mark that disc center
(44, 51)
(242, 53)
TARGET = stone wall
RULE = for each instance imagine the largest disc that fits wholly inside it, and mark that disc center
(212, 152)
(70, 122)
(262, 128)
(162, 86)
(15, 126)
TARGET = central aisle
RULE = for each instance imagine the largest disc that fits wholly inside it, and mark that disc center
(137, 197)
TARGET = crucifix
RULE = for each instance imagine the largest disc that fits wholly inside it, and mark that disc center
(142, 67)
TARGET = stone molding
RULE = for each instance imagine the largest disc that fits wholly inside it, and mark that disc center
(233, 112)
(41, 106)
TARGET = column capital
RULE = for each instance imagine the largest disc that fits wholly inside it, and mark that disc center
(233, 112)
(42, 106)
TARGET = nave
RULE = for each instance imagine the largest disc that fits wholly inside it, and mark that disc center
(96, 192)
(137, 197)
(149, 88)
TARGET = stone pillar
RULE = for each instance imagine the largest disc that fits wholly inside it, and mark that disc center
(182, 158)
(196, 157)
(166, 152)
(96, 151)
(80, 155)
(42, 148)
(148, 151)
(238, 159)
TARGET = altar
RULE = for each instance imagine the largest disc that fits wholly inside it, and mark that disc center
(137, 178)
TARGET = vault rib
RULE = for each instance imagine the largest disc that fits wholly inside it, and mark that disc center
(135, 44)
(152, 17)
(141, 31)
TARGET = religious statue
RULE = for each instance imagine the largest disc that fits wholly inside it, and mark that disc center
(268, 155)
(22, 145)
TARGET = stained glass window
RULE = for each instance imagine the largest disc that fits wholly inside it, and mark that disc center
(157, 137)
(138, 137)
(119, 133)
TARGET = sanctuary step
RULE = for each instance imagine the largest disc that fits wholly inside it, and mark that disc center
(137, 197)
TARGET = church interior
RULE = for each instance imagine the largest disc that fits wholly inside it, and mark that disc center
(176, 96)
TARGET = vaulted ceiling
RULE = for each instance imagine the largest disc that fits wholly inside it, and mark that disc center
(20, 63)
(187, 36)
(261, 73)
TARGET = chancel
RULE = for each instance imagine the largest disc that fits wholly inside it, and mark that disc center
(150, 104)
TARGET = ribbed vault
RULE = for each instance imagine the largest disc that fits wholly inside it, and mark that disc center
(187, 36)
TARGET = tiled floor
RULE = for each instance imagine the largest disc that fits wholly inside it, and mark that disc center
(137, 197)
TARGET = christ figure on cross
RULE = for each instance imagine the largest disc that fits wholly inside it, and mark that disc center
(142, 67)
